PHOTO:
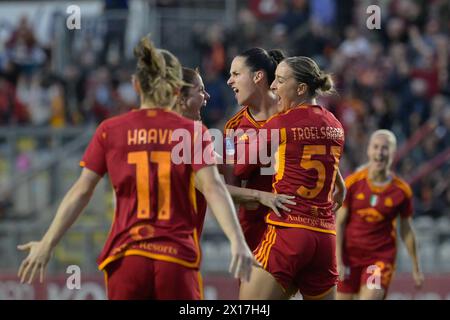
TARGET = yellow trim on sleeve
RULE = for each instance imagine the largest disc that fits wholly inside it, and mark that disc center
(106, 281)
(403, 186)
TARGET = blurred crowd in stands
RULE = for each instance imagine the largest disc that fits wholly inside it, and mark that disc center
(395, 77)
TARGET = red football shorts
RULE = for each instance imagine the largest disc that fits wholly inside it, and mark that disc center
(377, 275)
(301, 258)
(253, 226)
(140, 278)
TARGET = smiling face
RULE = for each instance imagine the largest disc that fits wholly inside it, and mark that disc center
(380, 152)
(195, 99)
(241, 81)
(286, 87)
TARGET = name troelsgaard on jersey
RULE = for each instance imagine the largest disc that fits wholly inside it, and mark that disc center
(318, 133)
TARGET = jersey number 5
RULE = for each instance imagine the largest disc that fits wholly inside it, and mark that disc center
(142, 162)
(307, 163)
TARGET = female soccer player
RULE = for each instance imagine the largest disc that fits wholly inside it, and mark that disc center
(251, 74)
(297, 252)
(366, 233)
(192, 98)
(152, 251)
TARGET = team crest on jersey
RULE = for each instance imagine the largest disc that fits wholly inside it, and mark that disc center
(243, 137)
(373, 200)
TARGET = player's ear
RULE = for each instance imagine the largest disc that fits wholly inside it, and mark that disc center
(302, 88)
(258, 76)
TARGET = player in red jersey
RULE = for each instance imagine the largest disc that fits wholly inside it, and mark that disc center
(189, 104)
(297, 252)
(251, 74)
(153, 237)
(366, 232)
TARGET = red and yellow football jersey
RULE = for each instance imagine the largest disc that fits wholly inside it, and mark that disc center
(156, 214)
(251, 220)
(310, 145)
(370, 232)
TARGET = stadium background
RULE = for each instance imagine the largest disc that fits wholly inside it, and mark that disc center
(57, 84)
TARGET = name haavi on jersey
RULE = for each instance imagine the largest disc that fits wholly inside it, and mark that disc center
(318, 133)
(149, 136)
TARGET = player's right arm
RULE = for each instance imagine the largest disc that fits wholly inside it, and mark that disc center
(341, 222)
(70, 208)
(219, 200)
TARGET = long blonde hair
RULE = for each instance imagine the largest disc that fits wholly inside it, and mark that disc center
(158, 72)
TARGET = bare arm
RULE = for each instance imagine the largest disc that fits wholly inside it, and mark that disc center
(271, 200)
(70, 208)
(341, 223)
(409, 238)
(340, 191)
(221, 204)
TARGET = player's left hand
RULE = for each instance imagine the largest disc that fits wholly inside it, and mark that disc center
(418, 278)
(36, 261)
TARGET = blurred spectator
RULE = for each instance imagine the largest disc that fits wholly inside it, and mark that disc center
(323, 12)
(355, 45)
(295, 15)
(22, 48)
(265, 9)
(12, 111)
(116, 15)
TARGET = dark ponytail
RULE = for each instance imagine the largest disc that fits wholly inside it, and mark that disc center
(260, 59)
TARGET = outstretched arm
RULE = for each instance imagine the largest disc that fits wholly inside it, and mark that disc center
(219, 200)
(70, 208)
(409, 238)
